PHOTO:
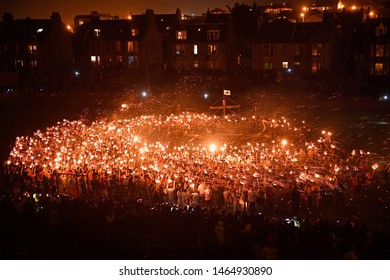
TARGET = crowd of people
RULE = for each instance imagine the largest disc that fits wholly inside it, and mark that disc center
(179, 159)
(59, 227)
(185, 185)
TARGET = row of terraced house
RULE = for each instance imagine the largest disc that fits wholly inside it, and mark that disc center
(39, 53)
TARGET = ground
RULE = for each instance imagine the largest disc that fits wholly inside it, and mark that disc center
(356, 122)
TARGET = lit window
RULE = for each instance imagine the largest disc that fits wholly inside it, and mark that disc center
(316, 50)
(379, 50)
(297, 64)
(32, 49)
(379, 69)
(285, 64)
(179, 49)
(212, 49)
(195, 49)
(132, 46)
(132, 61)
(196, 64)
(315, 67)
(34, 63)
(95, 59)
(213, 34)
(39, 30)
(96, 32)
(134, 32)
(181, 35)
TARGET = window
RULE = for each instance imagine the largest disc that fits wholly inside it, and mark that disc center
(181, 35)
(132, 46)
(381, 30)
(211, 64)
(315, 67)
(378, 69)
(132, 61)
(297, 64)
(316, 50)
(19, 63)
(297, 50)
(33, 63)
(268, 66)
(32, 49)
(96, 32)
(195, 49)
(119, 58)
(134, 32)
(211, 49)
(379, 50)
(268, 50)
(95, 59)
(213, 34)
(179, 49)
(118, 46)
(285, 64)
(196, 64)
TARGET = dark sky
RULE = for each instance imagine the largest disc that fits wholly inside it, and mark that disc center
(69, 8)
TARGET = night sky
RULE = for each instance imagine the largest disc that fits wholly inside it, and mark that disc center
(69, 8)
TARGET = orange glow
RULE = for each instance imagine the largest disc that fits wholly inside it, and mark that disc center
(340, 5)
(354, 7)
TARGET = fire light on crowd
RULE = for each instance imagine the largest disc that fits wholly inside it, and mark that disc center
(176, 148)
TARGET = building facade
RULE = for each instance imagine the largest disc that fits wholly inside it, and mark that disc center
(207, 42)
(292, 47)
(34, 54)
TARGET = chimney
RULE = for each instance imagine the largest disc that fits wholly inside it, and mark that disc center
(150, 17)
(178, 14)
(55, 16)
(7, 17)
